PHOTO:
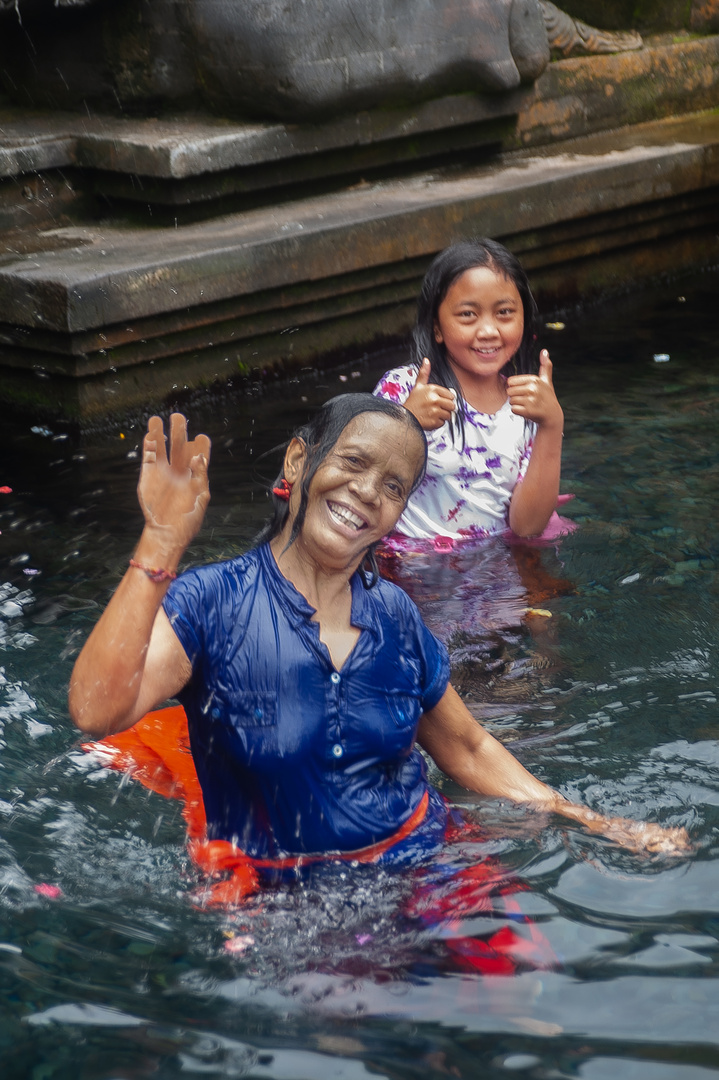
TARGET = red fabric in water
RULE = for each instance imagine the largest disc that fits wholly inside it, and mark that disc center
(156, 751)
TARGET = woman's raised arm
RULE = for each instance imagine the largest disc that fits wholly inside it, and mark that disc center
(474, 758)
(133, 659)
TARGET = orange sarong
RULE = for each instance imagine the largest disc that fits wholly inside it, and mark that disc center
(156, 751)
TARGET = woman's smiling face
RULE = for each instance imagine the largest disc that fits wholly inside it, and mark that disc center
(360, 489)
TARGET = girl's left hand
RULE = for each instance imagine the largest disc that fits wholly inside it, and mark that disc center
(533, 396)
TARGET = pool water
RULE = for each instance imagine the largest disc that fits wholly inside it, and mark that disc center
(114, 970)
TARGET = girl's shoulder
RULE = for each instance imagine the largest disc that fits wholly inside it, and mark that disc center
(396, 385)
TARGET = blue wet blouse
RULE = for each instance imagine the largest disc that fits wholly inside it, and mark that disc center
(292, 755)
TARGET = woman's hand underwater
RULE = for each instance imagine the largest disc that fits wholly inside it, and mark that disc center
(636, 836)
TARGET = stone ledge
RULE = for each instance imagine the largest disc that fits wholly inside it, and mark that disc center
(571, 98)
(188, 146)
(613, 253)
(100, 276)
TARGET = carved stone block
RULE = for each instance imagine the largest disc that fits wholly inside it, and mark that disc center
(268, 58)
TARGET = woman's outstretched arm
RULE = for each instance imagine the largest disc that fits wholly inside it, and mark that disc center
(474, 758)
(133, 659)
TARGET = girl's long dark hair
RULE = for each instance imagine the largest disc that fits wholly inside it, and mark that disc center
(449, 265)
(320, 435)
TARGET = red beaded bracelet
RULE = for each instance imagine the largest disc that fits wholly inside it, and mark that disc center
(154, 573)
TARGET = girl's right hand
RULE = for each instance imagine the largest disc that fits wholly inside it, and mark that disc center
(173, 494)
(432, 405)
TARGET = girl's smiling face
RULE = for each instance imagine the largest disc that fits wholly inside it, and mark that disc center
(480, 322)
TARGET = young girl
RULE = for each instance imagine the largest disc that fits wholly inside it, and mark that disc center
(493, 422)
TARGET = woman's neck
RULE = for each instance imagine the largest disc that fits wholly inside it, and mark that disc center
(328, 592)
(324, 588)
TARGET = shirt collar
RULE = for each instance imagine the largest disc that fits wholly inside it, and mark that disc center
(292, 599)
(289, 596)
(362, 608)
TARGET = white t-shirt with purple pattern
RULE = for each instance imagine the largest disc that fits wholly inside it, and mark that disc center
(466, 492)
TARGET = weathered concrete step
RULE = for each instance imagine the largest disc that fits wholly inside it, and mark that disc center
(194, 158)
(185, 146)
(95, 276)
(140, 311)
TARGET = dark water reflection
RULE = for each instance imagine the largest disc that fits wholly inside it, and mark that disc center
(613, 699)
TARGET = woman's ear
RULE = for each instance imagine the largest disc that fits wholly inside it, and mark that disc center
(295, 458)
(437, 333)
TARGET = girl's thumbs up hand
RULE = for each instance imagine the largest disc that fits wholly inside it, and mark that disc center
(432, 405)
(545, 367)
(533, 396)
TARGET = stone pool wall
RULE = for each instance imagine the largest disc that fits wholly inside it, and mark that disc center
(142, 256)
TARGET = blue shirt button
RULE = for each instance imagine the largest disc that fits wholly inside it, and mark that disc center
(216, 714)
(337, 750)
(334, 677)
(258, 713)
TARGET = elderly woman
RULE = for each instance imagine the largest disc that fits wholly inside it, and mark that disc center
(307, 681)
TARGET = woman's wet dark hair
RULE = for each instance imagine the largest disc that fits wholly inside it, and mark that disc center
(320, 435)
(449, 265)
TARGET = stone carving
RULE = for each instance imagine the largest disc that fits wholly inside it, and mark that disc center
(572, 37)
(284, 59)
(360, 53)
